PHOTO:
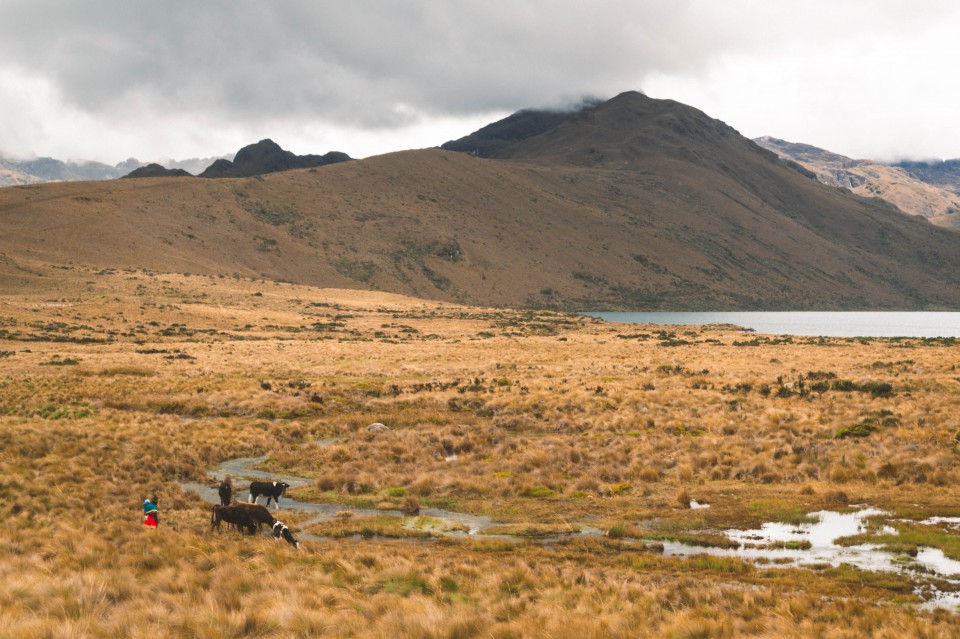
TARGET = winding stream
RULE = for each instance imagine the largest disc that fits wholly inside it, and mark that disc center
(791, 545)
(475, 524)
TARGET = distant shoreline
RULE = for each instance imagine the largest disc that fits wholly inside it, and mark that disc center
(873, 324)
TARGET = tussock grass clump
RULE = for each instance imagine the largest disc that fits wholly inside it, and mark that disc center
(532, 530)
(367, 527)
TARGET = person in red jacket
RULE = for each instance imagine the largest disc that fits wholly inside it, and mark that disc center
(151, 515)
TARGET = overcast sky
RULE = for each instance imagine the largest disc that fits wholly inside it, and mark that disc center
(111, 79)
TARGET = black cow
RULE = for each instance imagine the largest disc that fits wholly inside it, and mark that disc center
(225, 491)
(234, 515)
(280, 530)
(270, 489)
(258, 514)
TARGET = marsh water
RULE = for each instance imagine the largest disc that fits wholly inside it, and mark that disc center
(811, 544)
(812, 324)
(814, 545)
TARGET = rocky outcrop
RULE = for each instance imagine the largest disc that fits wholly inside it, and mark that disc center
(156, 170)
(266, 156)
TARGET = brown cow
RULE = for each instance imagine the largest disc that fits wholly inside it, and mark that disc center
(234, 515)
(258, 514)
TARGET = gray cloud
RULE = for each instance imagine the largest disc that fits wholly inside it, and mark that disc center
(369, 65)
(356, 62)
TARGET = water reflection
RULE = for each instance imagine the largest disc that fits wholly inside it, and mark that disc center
(814, 544)
(800, 544)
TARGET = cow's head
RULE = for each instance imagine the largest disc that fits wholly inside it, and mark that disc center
(283, 487)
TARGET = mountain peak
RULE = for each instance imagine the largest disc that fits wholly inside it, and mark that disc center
(265, 147)
(630, 130)
(618, 133)
(635, 96)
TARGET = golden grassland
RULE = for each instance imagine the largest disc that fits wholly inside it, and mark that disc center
(117, 384)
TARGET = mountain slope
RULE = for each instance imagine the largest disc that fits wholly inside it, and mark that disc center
(632, 204)
(490, 140)
(896, 184)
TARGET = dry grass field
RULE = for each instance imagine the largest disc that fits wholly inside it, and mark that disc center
(115, 385)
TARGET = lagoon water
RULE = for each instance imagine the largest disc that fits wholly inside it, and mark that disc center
(825, 324)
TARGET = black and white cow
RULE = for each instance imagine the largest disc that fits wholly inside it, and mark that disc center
(270, 489)
(280, 530)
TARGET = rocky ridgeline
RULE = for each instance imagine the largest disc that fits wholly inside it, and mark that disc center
(928, 190)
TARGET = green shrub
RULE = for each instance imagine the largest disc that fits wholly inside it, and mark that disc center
(877, 389)
(539, 492)
(845, 386)
(863, 429)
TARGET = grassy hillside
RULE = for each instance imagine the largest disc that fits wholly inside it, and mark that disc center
(633, 204)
